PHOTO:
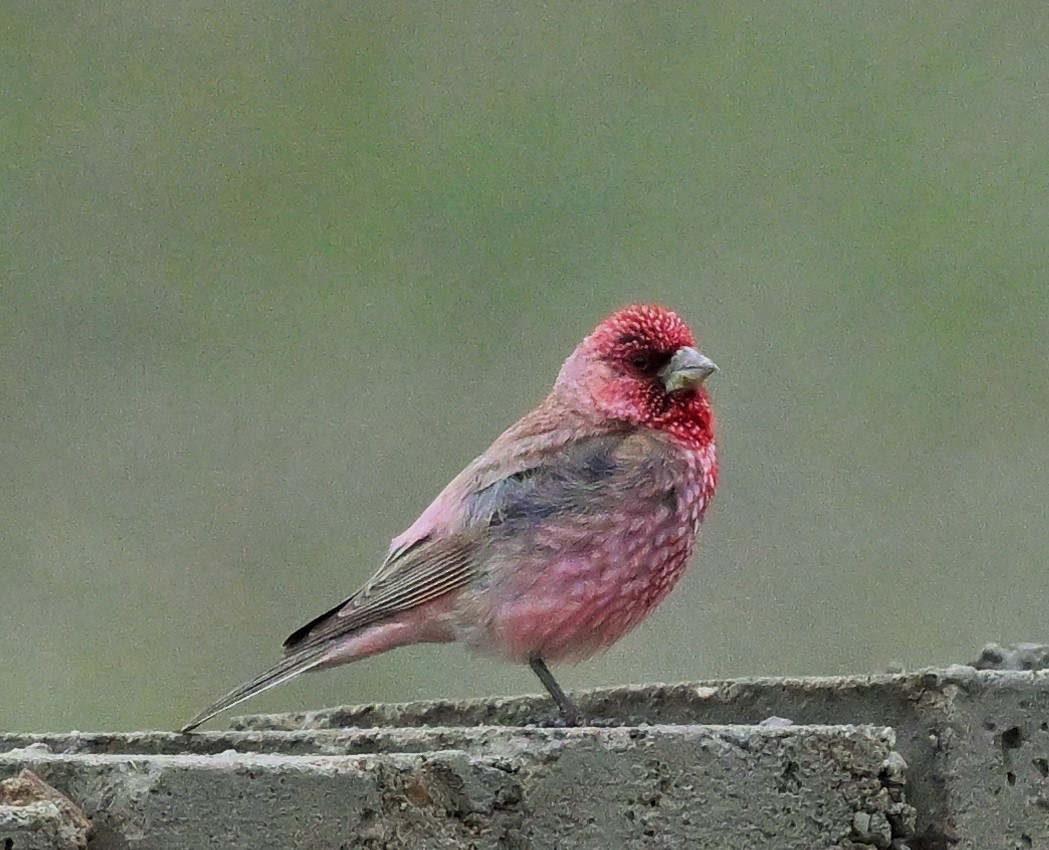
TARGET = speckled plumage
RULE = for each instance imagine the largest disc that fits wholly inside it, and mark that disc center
(561, 537)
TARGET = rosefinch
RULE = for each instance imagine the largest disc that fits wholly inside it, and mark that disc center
(562, 536)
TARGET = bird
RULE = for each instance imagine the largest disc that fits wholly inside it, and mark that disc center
(561, 537)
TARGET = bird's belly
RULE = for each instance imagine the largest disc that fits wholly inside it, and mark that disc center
(566, 606)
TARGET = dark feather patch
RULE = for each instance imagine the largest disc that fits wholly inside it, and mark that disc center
(546, 491)
(670, 499)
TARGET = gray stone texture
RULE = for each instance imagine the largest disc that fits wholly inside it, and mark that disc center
(670, 786)
(968, 749)
(35, 816)
(976, 741)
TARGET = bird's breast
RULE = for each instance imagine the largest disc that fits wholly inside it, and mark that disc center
(579, 583)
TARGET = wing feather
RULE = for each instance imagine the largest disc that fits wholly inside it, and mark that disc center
(421, 574)
(577, 478)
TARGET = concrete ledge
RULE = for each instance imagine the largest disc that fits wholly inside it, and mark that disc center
(475, 774)
(976, 741)
(698, 787)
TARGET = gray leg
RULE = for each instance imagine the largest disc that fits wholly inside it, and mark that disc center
(569, 710)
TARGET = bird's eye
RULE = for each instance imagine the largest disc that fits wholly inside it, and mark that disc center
(641, 362)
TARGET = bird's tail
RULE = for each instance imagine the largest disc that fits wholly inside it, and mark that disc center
(278, 674)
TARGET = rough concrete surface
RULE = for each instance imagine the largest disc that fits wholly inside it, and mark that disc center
(670, 786)
(976, 741)
(972, 747)
(1018, 656)
(35, 816)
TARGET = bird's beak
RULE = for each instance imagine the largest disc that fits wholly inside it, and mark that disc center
(687, 370)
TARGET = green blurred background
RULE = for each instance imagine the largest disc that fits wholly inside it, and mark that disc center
(272, 273)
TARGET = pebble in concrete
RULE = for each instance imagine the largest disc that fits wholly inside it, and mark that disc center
(35, 816)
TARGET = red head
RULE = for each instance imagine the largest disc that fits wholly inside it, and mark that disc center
(641, 366)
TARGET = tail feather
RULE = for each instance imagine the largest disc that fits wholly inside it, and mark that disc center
(280, 673)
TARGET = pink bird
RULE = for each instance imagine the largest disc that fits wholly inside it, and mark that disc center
(559, 539)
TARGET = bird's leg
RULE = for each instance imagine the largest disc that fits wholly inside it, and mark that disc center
(569, 710)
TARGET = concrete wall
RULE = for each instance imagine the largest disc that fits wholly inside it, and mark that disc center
(953, 758)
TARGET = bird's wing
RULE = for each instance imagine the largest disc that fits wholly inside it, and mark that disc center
(421, 573)
(579, 477)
